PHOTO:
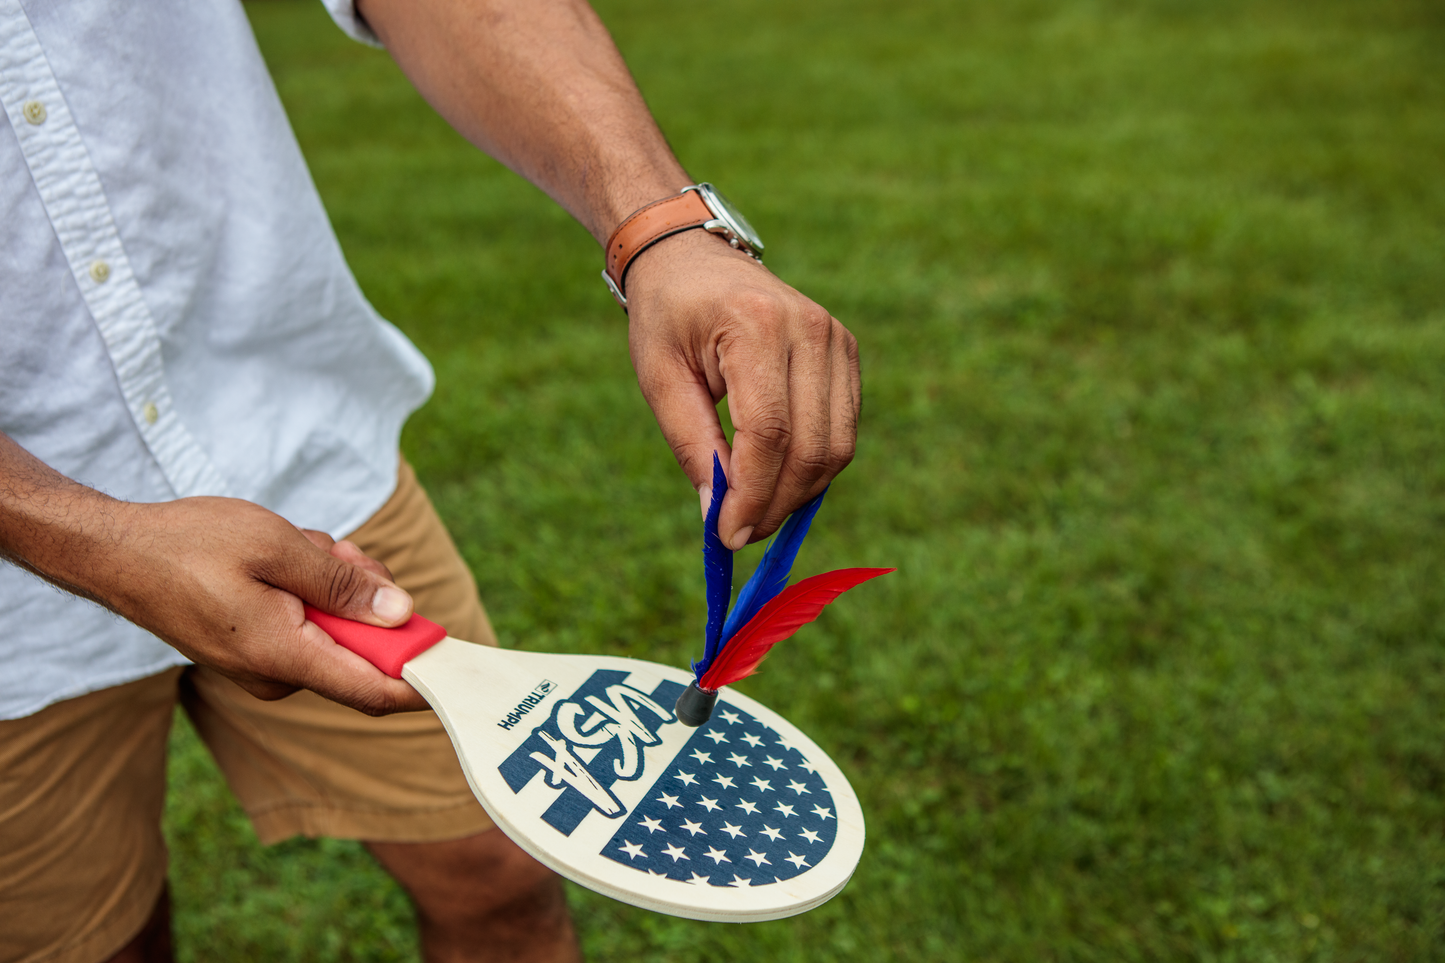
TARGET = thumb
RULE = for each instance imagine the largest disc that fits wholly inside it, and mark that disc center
(342, 588)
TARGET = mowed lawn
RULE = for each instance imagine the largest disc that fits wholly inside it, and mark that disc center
(1152, 311)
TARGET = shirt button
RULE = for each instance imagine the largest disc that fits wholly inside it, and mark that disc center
(99, 272)
(151, 412)
(34, 112)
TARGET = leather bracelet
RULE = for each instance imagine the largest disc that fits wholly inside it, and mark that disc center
(646, 226)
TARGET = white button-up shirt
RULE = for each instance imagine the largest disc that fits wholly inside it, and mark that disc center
(176, 317)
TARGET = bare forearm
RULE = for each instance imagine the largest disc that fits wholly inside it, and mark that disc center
(539, 85)
(56, 528)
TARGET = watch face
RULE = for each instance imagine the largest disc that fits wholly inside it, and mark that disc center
(734, 218)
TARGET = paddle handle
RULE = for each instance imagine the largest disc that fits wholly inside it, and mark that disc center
(387, 649)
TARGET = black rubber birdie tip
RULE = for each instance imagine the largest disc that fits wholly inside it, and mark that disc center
(694, 706)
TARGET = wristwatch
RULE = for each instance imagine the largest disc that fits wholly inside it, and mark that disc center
(699, 205)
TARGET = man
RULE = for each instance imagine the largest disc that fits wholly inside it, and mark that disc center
(196, 400)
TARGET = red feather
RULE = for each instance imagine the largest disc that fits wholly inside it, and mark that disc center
(790, 610)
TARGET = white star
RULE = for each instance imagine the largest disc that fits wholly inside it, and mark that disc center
(739, 882)
(696, 880)
(716, 737)
(783, 741)
(670, 801)
(805, 764)
(775, 763)
(799, 787)
(758, 858)
(824, 812)
(733, 831)
(783, 808)
(633, 850)
(709, 804)
(717, 856)
(724, 781)
(771, 833)
(687, 778)
(738, 760)
(747, 807)
(810, 836)
(762, 784)
(797, 861)
(731, 717)
(703, 758)
(692, 827)
(653, 825)
(752, 740)
(653, 872)
(675, 851)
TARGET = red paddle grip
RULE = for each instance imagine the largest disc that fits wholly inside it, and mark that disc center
(387, 649)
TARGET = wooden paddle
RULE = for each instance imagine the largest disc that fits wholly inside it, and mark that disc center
(581, 760)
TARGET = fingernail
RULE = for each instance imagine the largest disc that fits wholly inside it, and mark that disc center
(390, 604)
(740, 540)
(704, 494)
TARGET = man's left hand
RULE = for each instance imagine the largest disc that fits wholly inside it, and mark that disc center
(708, 321)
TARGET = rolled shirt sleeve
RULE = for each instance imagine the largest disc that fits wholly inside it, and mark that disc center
(346, 17)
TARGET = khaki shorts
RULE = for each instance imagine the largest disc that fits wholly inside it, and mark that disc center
(82, 782)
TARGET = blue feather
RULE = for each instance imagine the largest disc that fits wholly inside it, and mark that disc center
(771, 576)
(717, 564)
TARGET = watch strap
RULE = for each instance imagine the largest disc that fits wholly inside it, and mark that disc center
(647, 225)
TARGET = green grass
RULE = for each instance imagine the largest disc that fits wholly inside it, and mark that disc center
(1152, 313)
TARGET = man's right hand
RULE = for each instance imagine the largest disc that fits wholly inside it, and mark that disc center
(220, 579)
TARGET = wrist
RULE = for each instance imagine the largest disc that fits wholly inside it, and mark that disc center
(694, 206)
(689, 259)
(622, 202)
